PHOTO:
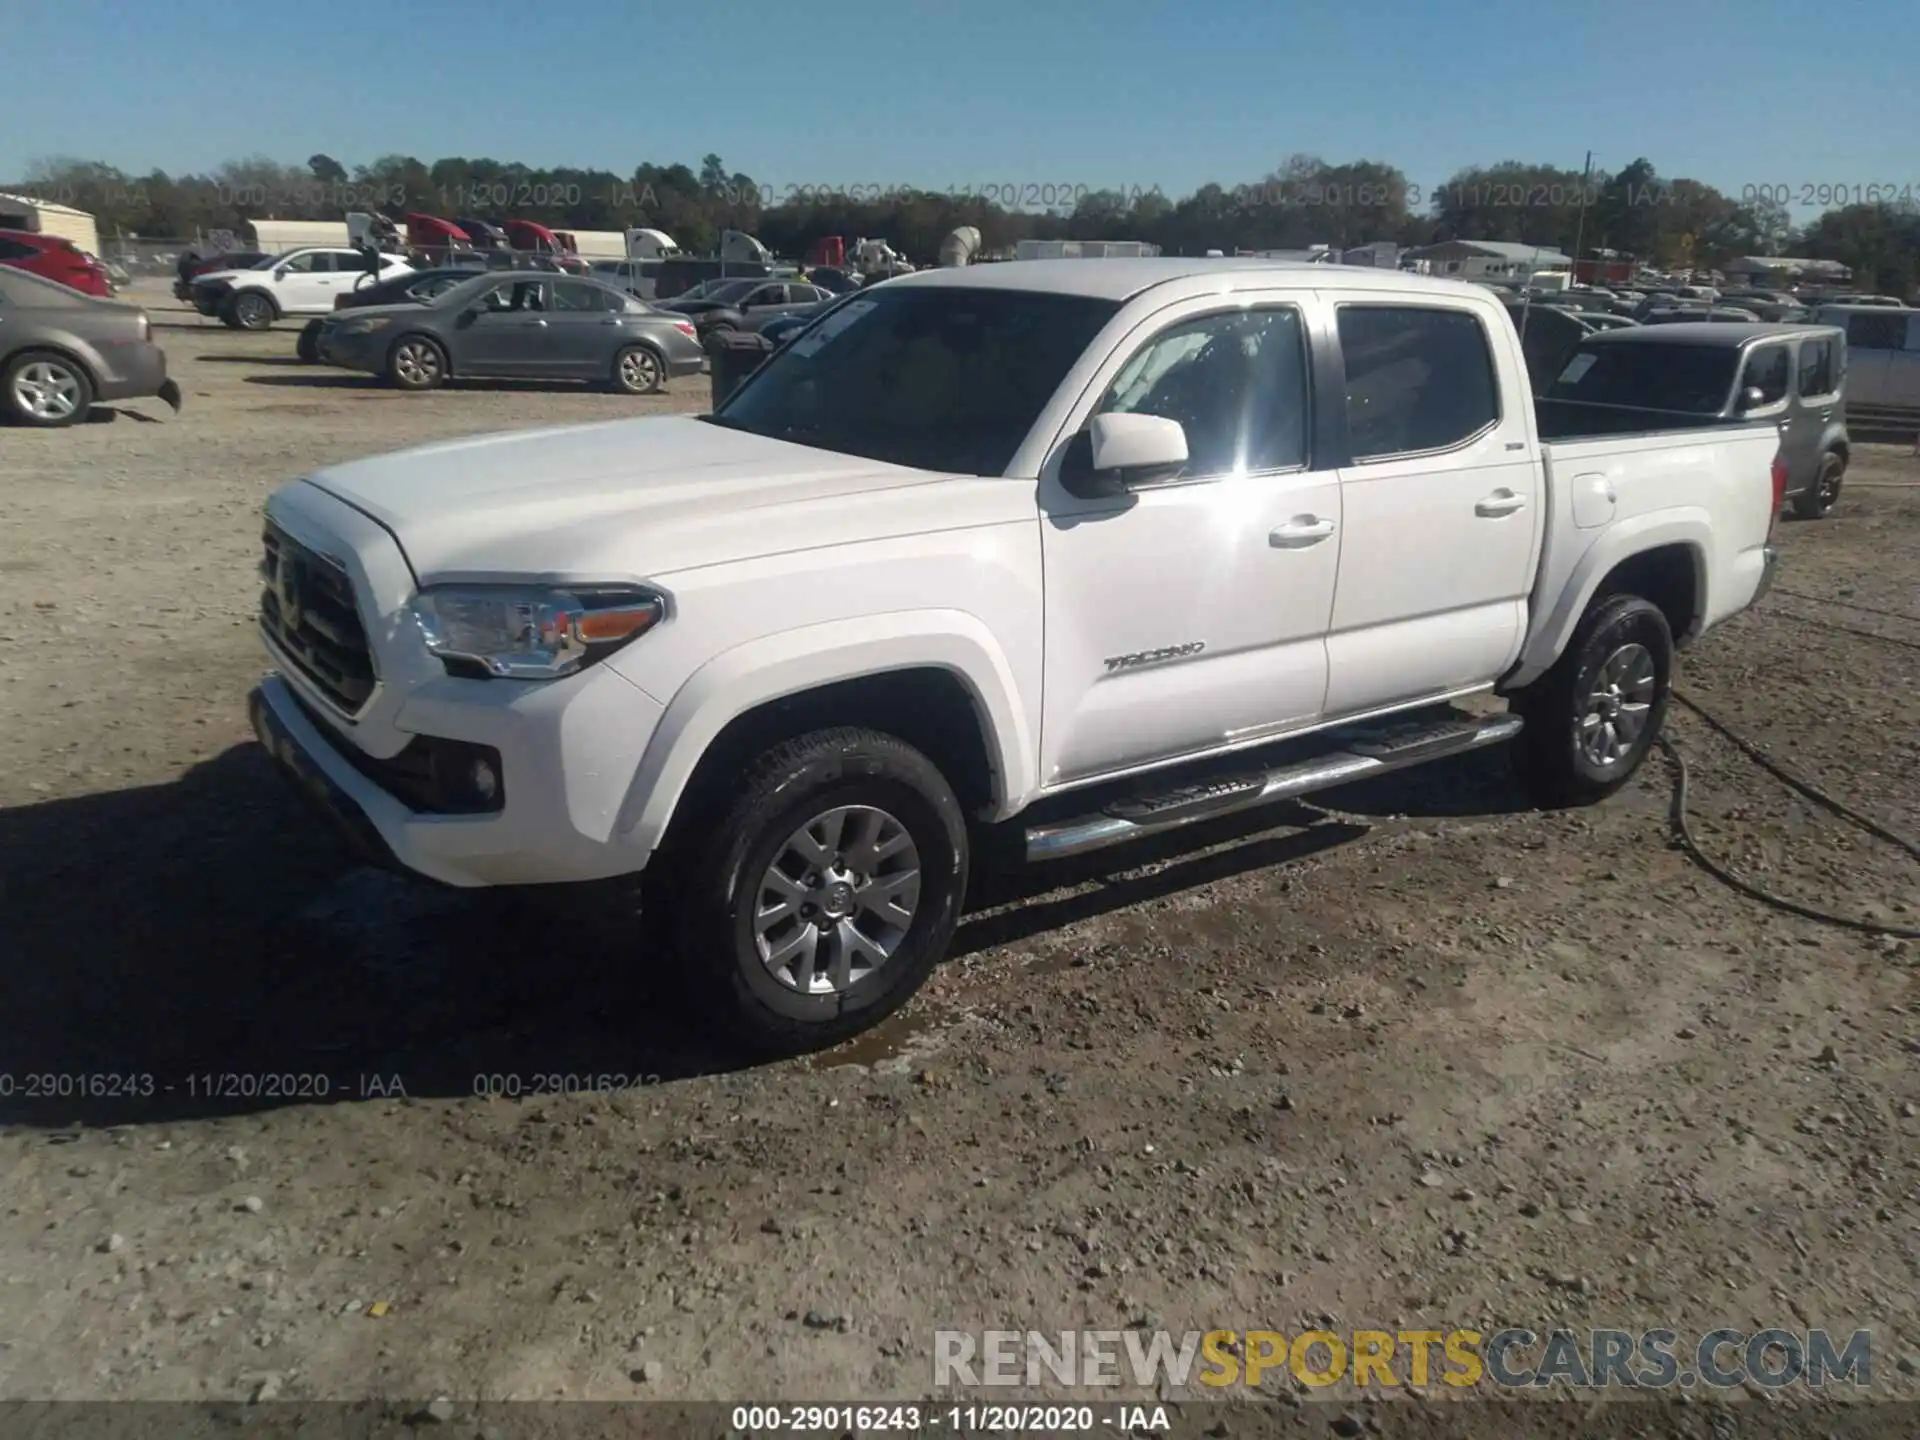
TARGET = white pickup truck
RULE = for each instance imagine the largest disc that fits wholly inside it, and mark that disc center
(1066, 552)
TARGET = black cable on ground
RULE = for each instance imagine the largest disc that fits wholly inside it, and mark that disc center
(1843, 629)
(1683, 829)
(1846, 604)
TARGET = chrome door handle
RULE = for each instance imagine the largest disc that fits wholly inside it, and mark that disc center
(1500, 502)
(1299, 532)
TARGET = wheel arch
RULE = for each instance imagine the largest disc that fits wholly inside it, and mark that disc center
(232, 299)
(910, 675)
(70, 353)
(1666, 551)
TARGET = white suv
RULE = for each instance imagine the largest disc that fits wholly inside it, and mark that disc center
(300, 282)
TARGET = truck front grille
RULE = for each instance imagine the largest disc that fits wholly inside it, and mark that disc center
(307, 610)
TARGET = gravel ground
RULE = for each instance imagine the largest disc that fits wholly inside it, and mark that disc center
(1413, 1057)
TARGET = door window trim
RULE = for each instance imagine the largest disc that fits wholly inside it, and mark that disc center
(1186, 312)
(1352, 461)
(1834, 370)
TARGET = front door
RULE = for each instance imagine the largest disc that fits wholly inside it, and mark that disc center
(1192, 615)
(503, 331)
(301, 283)
(1441, 502)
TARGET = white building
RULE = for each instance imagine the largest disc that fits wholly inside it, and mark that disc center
(1504, 260)
(43, 217)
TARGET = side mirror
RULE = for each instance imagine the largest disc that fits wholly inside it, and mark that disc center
(1117, 454)
(1752, 398)
(280, 272)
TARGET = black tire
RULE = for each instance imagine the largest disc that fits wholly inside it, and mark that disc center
(715, 876)
(639, 370)
(1549, 756)
(1816, 500)
(416, 362)
(307, 348)
(250, 310)
(45, 390)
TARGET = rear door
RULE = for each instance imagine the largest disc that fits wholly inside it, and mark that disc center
(1816, 401)
(583, 331)
(1440, 493)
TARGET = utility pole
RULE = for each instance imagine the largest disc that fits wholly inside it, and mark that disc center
(1580, 227)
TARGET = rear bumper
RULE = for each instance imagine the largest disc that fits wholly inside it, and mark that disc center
(1769, 564)
(139, 371)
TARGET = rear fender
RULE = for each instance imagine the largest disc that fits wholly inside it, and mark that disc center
(1553, 631)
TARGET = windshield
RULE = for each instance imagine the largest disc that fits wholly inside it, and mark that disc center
(1696, 379)
(944, 378)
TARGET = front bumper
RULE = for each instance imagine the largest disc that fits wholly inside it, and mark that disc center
(565, 753)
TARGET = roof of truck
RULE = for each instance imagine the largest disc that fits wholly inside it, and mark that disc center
(1705, 332)
(1121, 279)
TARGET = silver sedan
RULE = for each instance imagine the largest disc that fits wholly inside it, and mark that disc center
(61, 352)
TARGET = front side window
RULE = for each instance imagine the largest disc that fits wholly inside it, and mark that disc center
(1418, 379)
(1237, 384)
(514, 295)
(948, 379)
(305, 263)
(1767, 372)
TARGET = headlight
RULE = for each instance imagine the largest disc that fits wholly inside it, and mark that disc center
(365, 327)
(533, 632)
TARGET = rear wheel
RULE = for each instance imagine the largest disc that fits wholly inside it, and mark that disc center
(823, 897)
(1814, 502)
(1592, 718)
(638, 370)
(416, 363)
(44, 390)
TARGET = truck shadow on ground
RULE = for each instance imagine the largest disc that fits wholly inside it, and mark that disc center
(208, 947)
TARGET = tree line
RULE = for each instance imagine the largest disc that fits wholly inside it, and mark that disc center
(1306, 200)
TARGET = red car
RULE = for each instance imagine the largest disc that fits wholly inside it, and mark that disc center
(53, 258)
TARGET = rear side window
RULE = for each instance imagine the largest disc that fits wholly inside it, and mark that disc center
(1877, 332)
(1417, 379)
(1816, 367)
(1693, 379)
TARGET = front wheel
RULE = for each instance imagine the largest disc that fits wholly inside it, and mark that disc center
(823, 897)
(250, 310)
(1592, 718)
(416, 363)
(1815, 502)
(307, 348)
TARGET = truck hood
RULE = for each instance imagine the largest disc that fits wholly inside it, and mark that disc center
(623, 500)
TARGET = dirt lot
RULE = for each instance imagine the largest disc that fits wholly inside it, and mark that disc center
(1414, 1056)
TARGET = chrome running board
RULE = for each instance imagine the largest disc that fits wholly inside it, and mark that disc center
(1366, 751)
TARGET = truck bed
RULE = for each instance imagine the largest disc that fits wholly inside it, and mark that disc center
(1572, 420)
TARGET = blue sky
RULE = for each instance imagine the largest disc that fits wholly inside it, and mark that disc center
(1116, 94)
